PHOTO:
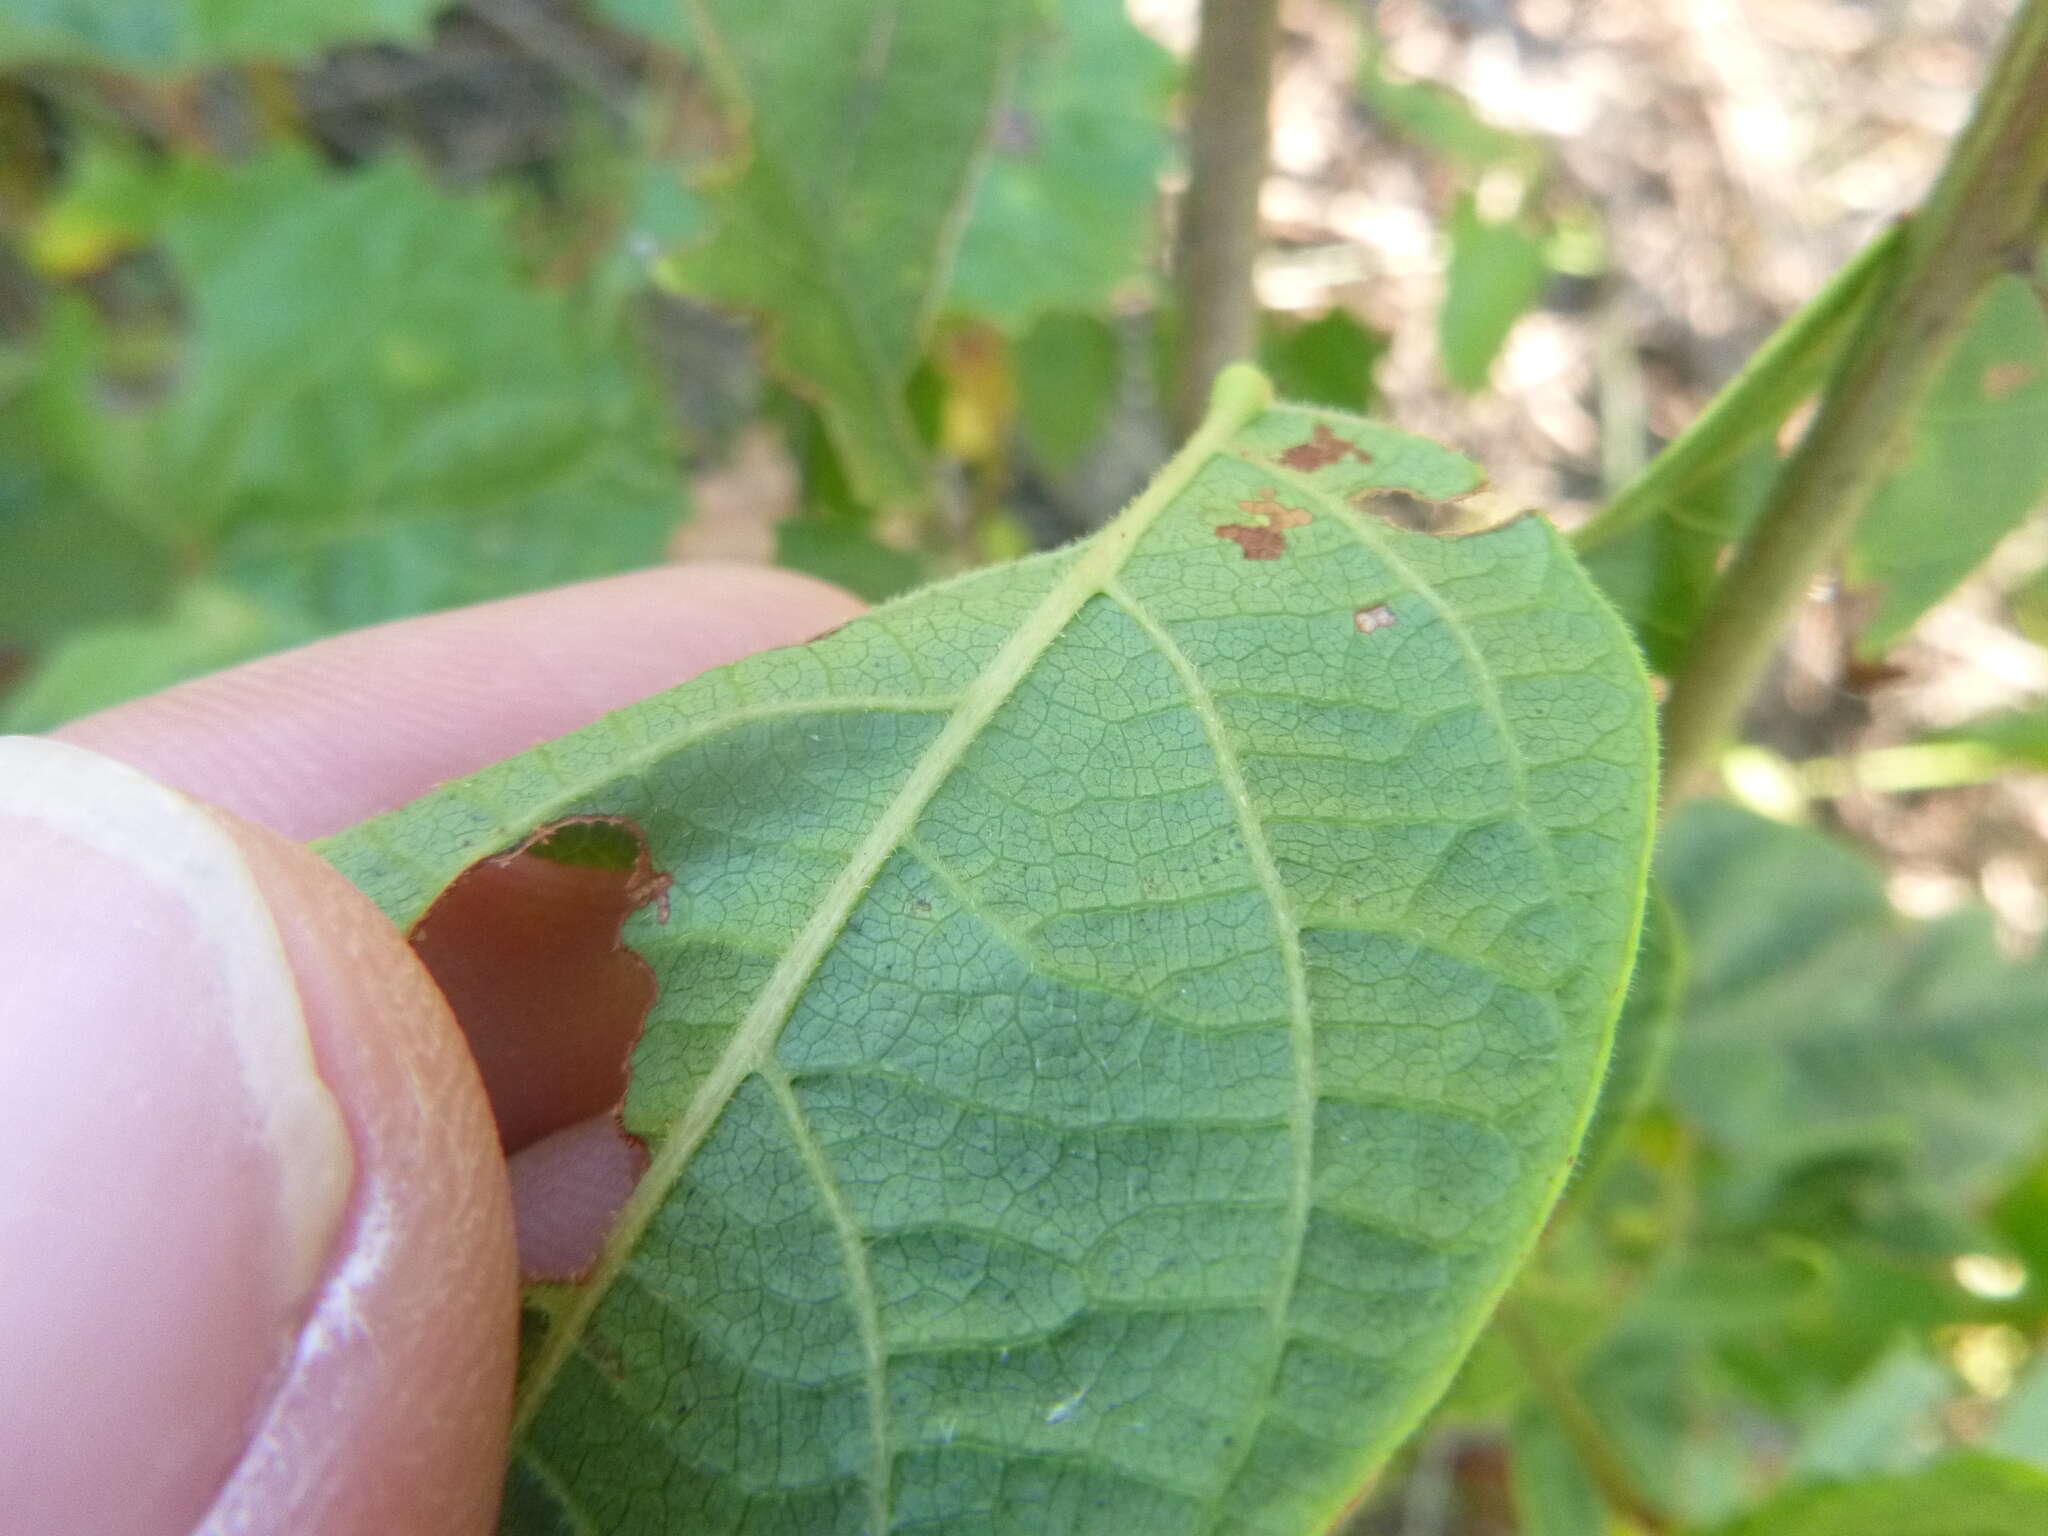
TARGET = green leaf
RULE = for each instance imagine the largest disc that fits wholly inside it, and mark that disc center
(846, 555)
(1496, 275)
(2028, 602)
(1661, 572)
(1067, 369)
(1961, 1496)
(110, 203)
(1440, 120)
(1979, 464)
(70, 554)
(2021, 1428)
(1325, 361)
(865, 122)
(1657, 546)
(1666, 1404)
(374, 413)
(1886, 1422)
(1553, 1494)
(1726, 1289)
(208, 627)
(1068, 209)
(1820, 1025)
(1644, 1037)
(662, 21)
(1125, 1014)
(181, 36)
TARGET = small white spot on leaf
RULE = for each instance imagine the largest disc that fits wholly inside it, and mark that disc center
(1379, 616)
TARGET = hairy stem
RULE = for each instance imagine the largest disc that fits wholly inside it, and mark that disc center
(1230, 89)
(1980, 218)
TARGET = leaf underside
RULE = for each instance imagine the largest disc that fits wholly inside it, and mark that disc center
(1124, 1015)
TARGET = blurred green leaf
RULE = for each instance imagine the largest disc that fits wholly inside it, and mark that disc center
(1887, 1422)
(69, 556)
(1961, 1496)
(2021, 1428)
(1722, 1288)
(663, 21)
(1325, 361)
(2018, 1224)
(865, 122)
(378, 414)
(848, 556)
(1553, 1495)
(2029, 604)
(1067, 368)
(1660, 573)
(835, 537)
(1669, 1408)
(371, 413)
(1820, 1025)
(110, 202)
(1497, 273)
(1643, 1036)
(662, 213)
(1862, 1298)
(181, 36)
(1068, 207)
(1440, 120)
(209, 627)
(1979, 463)
(1656, 547)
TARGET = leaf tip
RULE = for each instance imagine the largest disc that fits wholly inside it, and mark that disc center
(1239, 393)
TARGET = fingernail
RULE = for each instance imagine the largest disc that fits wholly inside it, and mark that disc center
(173, 1170)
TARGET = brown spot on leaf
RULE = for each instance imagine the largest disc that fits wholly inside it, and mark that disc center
(1257, 543)
(1378, 616)
(1275, 513)
(1266, 542)
(1323, 449)
(1401, 509)
(1480, 511)
(2001, 379)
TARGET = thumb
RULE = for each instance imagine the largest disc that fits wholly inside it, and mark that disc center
(260, 1274)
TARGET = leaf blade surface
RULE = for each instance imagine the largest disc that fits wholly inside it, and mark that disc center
(1125, 1015)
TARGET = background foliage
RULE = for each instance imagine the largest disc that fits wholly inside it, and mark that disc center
(316, 314)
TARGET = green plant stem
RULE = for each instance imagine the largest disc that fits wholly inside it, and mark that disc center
(1782, 372)
(1904, 769)
(1980, 218)
(1230, 89)
(1599, 1455)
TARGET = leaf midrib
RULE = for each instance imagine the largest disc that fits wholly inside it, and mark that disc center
(1239, 398)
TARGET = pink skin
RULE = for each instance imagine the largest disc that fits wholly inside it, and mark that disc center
(193, 1351)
